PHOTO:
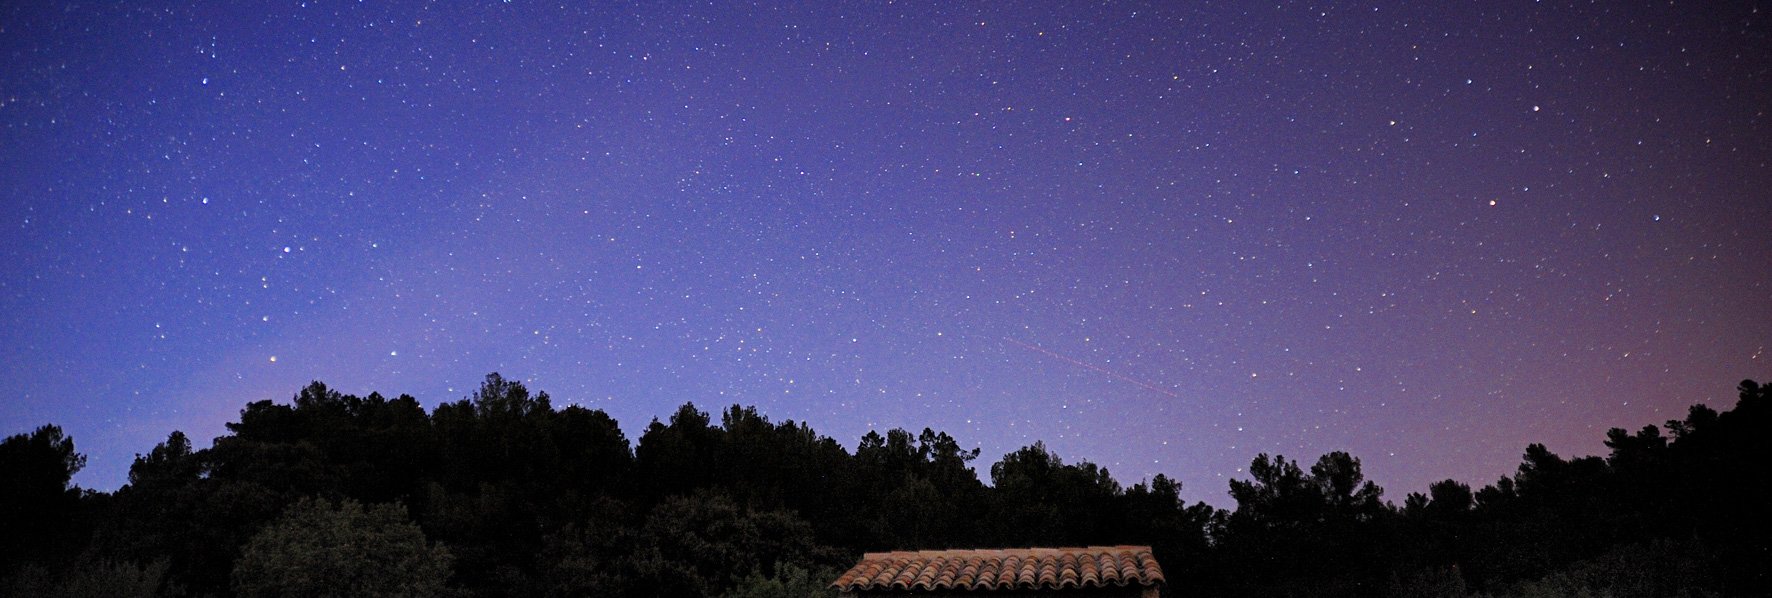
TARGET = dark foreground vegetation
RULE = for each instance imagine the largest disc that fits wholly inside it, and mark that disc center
(504, 494)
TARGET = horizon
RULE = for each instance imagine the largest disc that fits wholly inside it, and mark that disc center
(980, 467)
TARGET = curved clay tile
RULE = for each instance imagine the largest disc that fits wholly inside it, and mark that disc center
(988, 570)
(1006, 578)
(905, 576)
(845, 580)
(1068, 578)
(926, 578)
(1128, 565)
(888, 571)
(1148, 565)
(1007, 569)
(960, 567)
(1047, 572)
(967, 573)
(1064, 563)
(1111, 573)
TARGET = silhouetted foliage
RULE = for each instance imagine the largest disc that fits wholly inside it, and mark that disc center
(506, 494)
(789, 582)
(1040, 499)
(1321, 530)
(87, 579)
(38, 509)
(317, 548)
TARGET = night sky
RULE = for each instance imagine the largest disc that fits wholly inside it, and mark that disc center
(1161, 238)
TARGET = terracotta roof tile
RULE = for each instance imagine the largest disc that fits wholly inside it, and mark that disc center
(1004, 569)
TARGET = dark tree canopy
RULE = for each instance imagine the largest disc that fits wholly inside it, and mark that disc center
(505, 494)
(37, 506)
(317, 548)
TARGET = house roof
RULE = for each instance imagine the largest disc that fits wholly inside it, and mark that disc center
(1004, 569)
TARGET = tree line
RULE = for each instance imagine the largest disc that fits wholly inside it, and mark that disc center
(505, 494)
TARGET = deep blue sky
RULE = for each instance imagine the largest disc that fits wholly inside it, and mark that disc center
(1162, 238)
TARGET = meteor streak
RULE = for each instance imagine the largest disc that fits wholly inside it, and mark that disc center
(1083, 364)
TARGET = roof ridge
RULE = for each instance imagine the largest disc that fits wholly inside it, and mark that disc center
(1030, 567)
(1010, 549)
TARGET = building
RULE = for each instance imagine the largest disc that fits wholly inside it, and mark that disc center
(1087, 572)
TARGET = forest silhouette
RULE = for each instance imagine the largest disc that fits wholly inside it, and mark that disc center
(503, 494)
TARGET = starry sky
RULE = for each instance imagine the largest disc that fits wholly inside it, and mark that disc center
(1163, 238)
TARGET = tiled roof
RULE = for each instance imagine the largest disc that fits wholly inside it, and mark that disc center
(1005, 569)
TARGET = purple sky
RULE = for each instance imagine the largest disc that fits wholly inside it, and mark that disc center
(1160, 238)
